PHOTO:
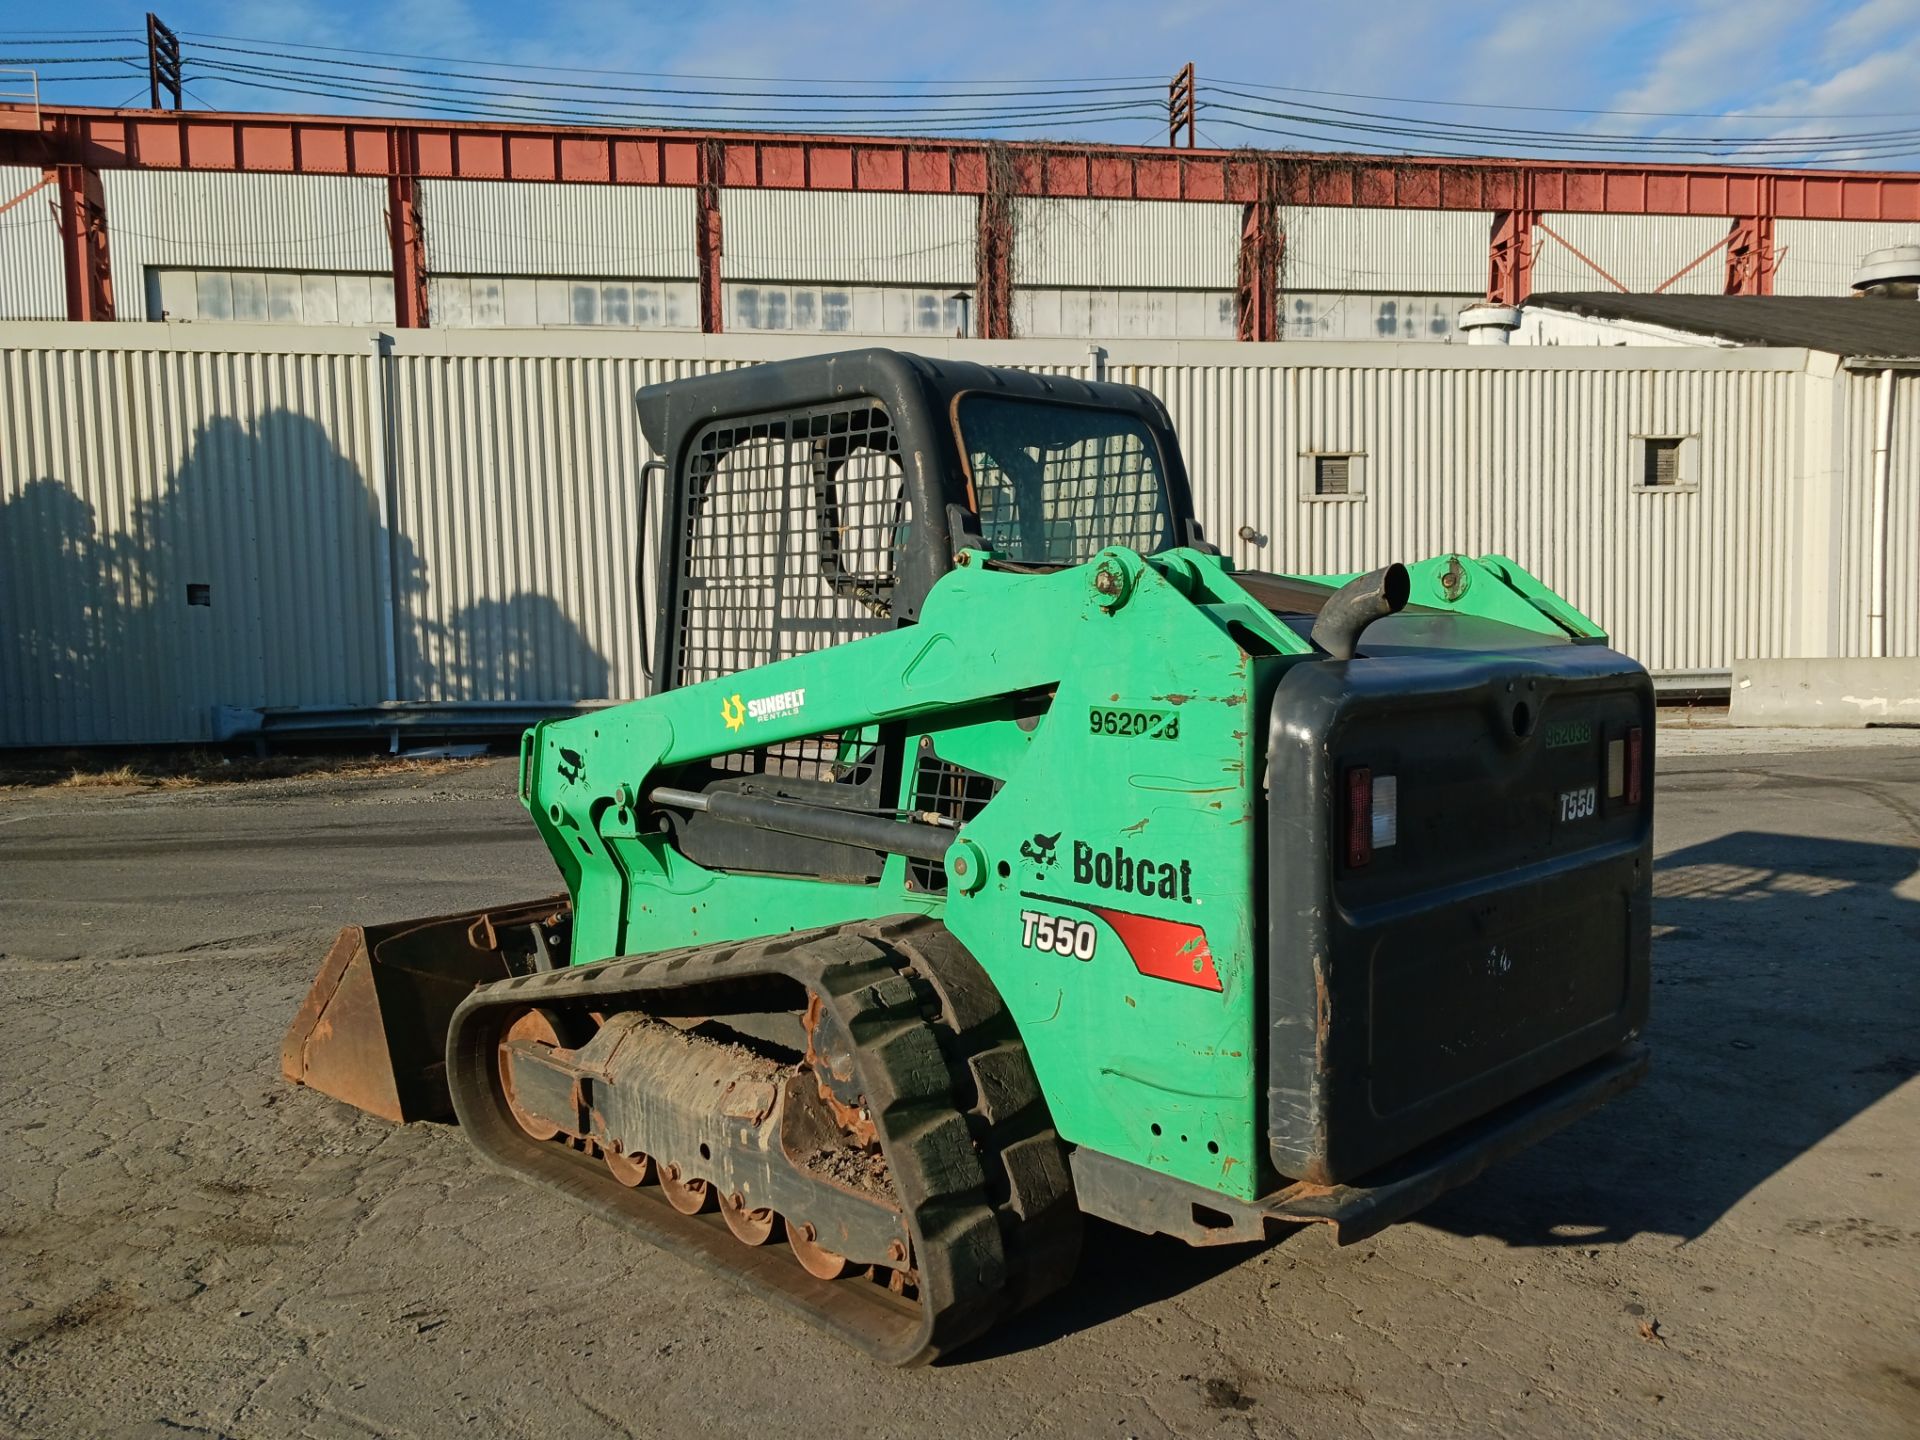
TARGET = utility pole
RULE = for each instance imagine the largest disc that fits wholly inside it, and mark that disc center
(163, 62)
(1180, 105)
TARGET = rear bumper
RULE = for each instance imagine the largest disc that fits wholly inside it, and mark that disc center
(1143, 1199)
(1395, 1191)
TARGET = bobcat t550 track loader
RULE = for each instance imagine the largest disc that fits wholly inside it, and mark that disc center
(993, 853)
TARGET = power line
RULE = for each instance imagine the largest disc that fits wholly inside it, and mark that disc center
(661, 74)
(215, 68)
(1846, 152)
(1561, 109)
(1416, 125)
(515, 91)
(523, 113)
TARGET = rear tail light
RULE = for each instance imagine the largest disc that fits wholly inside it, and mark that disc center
(1359, 816)
(1635, 749)
(1373, 814)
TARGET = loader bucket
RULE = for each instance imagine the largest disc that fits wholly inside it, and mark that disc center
(373, 1029)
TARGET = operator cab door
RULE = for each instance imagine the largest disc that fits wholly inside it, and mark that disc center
(787, 538)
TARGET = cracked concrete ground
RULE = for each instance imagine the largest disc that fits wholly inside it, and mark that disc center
(188, 1246)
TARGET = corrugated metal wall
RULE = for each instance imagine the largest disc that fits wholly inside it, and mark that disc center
(129, 474)
(517, 480)
(33, 283)
(1537, 463)
(848, 237)
(1854, 522)
(204, 219)
(1438, 252)
(518, 227)
(1129, 243)
(1642, 252)
(140, 460)
(1819, 257)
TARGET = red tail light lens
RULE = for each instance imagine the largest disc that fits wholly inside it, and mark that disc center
(1635, 750)
(1359, 816)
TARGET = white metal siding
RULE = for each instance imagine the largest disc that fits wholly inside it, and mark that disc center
(1854, 522)
(205, 219)
(1819, 257)
(1533, 463)
(127, 474)
(137, 460)
(1150, 244)
(851, 238)
(518, 480)
(33, 282)
(1642, 252)
(1350, 248)
(523, 227)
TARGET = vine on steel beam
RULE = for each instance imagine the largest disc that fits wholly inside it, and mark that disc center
(712, 168)
(405, 230)
(1751, 256)
(81, 209)
(1256, 300)
(1510, 260)
(993, 249)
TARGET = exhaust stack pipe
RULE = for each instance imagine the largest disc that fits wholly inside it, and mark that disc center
(1356, 605)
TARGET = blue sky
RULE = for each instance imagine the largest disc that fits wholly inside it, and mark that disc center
(1787, 69)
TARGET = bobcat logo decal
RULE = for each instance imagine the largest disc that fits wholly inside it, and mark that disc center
(1040, 849)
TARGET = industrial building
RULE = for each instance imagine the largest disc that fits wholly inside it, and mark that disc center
(199, 216)
(372, 461)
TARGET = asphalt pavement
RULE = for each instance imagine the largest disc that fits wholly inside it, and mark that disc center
(188, 1246)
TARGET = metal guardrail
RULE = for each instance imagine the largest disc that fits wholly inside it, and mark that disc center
(438, 717)
(1672, 687)
(504, 717)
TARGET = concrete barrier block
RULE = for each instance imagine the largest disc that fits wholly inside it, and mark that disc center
(1833, 694)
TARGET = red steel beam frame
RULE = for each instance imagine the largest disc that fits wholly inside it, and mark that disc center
(331, 145)
(406, 232)
(83, 243)
(1257, 299)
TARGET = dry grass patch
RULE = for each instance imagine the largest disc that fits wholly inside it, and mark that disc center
(180, 769)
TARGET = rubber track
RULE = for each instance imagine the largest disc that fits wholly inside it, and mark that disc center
(973, 1155)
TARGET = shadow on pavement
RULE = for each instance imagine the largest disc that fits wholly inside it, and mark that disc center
(1786, 991)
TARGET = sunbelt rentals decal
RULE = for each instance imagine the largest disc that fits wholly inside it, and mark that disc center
(736, 712)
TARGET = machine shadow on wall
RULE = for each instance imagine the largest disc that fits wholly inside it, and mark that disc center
(253, 579)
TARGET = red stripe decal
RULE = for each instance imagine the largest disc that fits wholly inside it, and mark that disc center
(1165, 949)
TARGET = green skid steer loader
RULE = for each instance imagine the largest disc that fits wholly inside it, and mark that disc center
(993, 853)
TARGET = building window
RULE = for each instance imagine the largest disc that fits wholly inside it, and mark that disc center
(834, 309)
(1043, 312)
(1667, 462)
(269, 297)
(483, 302)
(1332, 475)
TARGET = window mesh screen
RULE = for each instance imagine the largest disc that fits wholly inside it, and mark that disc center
(841, 757)
(948, 790)
(1055, 484)
(789, 538)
